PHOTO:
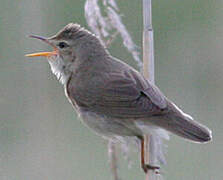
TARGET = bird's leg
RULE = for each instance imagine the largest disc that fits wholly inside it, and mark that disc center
(145, 166)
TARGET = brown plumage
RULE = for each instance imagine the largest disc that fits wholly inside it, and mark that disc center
(110, 96)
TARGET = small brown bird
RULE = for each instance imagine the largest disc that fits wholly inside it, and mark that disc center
(110, 96)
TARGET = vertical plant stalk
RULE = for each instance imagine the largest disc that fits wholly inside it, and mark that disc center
(148, 71)
(148, 45)
(112, 153)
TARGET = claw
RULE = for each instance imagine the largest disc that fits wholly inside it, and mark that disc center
(147, 167)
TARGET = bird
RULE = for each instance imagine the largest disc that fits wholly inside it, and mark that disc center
(111, 97)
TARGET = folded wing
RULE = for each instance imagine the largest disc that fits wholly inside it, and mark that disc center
(121, 95)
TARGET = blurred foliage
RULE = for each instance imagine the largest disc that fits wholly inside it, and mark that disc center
(41, 136)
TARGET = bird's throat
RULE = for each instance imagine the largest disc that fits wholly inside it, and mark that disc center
(60, 69)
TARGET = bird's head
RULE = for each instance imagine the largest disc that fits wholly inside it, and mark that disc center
(72, 46)
(70, 42)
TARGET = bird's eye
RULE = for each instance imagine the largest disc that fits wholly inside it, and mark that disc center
(62, 45)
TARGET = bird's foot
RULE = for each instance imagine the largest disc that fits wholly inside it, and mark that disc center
(148, 167)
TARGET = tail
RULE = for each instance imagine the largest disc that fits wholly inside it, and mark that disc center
(184, 126)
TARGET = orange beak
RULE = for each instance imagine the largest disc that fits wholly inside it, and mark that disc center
(45, 54)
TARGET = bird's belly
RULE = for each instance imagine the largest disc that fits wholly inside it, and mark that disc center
(109, 127)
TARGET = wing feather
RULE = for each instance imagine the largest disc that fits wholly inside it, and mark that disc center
(121, 95)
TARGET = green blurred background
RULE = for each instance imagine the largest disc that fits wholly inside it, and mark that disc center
(41, 137)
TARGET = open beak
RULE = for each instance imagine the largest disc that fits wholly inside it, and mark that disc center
(45, 54)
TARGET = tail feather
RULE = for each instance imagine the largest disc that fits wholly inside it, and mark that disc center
(183, 125)
(190, 129)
